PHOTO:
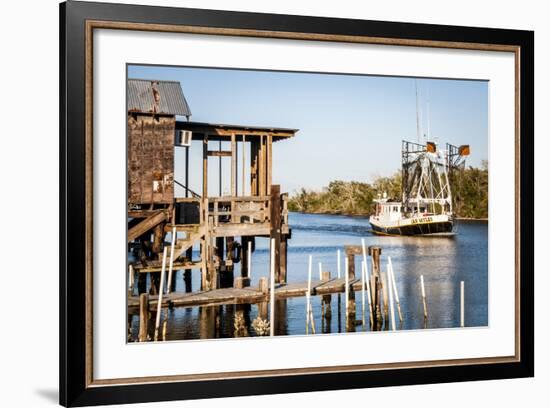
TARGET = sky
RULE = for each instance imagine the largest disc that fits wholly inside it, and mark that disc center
(350, 126)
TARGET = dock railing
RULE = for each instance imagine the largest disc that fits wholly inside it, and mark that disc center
(236, 210)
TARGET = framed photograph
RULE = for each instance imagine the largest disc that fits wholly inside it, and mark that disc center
(256, 204)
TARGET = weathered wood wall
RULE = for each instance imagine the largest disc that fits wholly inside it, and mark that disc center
(150, 159)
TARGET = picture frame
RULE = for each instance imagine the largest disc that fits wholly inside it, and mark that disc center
(78, 20)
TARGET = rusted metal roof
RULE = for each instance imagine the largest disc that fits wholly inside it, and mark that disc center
(152, 96)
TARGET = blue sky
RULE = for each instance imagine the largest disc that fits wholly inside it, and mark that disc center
(351, 126)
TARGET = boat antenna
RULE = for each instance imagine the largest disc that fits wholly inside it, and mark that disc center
(417, 113)
(428, 108)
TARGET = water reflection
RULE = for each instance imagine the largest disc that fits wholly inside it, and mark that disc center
(443, 262)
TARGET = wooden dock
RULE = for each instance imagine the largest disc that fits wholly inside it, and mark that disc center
(248, 295)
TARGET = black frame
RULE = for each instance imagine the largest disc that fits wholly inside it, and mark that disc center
(73, 389)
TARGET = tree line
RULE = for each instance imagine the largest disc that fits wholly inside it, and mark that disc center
(470, 187)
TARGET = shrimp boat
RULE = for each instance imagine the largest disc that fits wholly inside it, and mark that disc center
(426, 206)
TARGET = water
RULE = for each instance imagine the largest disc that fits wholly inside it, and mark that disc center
(444, 262)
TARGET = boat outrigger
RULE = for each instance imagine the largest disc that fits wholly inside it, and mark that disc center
(426, 207)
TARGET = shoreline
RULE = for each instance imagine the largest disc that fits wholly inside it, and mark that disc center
(467, 219)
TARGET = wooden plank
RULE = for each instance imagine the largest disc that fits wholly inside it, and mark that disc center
(219, 153)
(147, 224)
(143, 304)
(245, 295)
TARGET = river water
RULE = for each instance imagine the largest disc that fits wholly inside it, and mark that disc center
(444, 263)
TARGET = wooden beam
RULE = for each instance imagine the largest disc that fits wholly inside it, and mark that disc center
(147, 224)
(219, 153)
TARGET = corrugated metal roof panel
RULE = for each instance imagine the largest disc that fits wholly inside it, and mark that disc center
(151, 96)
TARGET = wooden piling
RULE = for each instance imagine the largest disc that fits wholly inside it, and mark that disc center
(275, 234)
(326, 312)
(284, 259)
(385, 303)
(187, 273)
(143, 316)
(263, 285)
(375, 285)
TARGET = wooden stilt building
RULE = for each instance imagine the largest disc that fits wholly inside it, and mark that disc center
(215, 222)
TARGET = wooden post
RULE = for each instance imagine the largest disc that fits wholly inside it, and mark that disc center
(205, 167)
(263, 285)
(261, 167)
(283, 259)
(339, 263)
(346, 272)
(395, 292)
(228, 270)
(375, 253)
(249, 259)
(220, 171)
(325, 276)
(351, 265)
(171, 266)
(320, 271)
(161, 290)
(384, 281)
(423, 297)
(233, 165)
(187, 273)
(131, 277)
(269, 161)
(245, 255)
(272, 287)
(275, 217)
(389, 283)
(143, 316)
(243, 193)
(461, 303)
